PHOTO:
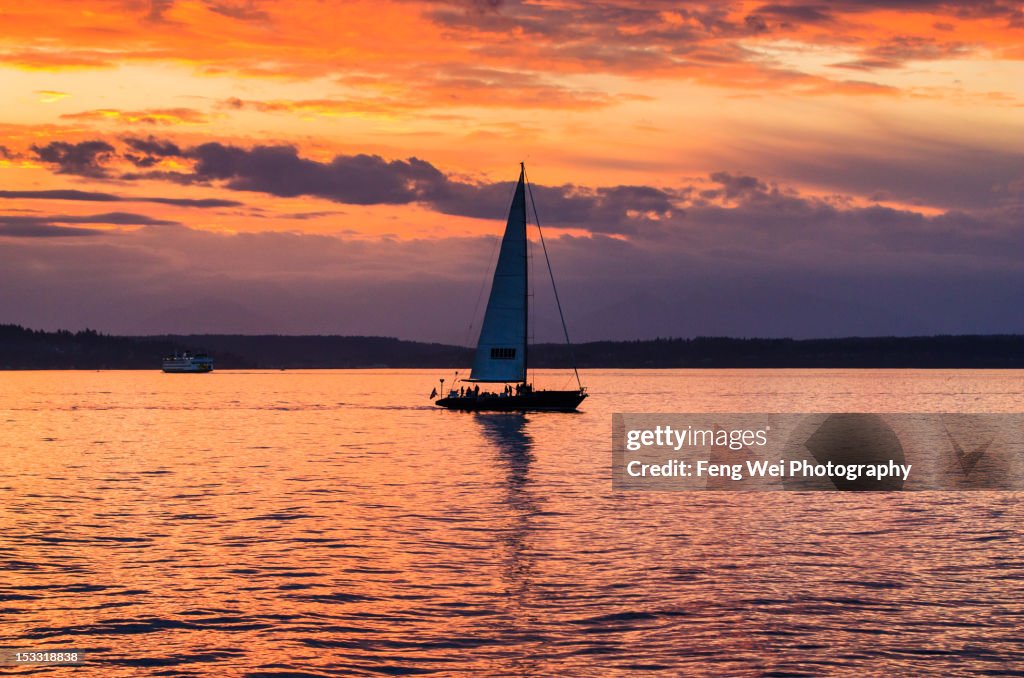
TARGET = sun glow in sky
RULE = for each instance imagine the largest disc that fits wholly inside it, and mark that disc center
(824, 154)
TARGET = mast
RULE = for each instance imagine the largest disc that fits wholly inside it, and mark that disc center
(526, 276)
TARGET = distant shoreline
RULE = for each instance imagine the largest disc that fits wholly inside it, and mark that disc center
(25, 349)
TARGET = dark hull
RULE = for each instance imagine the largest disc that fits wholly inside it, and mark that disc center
(549, 401)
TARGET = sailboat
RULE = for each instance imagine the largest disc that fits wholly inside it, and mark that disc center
(502, 349)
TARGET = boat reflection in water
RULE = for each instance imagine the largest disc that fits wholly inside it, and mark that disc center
(514, 447)
(507, 432)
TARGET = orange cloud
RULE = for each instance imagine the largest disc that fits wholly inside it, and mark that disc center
(50, 96)
(501, 52)
(602, 93)
(46, 60)
(156, 116)
(457, 88)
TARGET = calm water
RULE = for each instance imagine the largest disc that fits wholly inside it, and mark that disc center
(333, 522)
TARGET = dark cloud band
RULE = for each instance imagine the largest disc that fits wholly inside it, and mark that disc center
(54, 226)
(94, 196)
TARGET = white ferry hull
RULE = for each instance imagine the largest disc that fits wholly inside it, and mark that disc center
(188, 366)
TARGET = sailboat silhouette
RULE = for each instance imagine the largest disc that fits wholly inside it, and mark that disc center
(502, 349)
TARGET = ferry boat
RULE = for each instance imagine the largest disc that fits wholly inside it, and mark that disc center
(188, 362)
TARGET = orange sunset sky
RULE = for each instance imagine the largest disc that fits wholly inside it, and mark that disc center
(737, 168)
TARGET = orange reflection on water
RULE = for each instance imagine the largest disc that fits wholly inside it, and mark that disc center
(335, 521)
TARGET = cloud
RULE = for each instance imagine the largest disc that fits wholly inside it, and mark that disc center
(242, 10)
(928, 173)
(903, 164)
(798, 13)
(57, 59)
(956, 8)
(717, 45)
(152, 116)
(773, 264)
(190, 202)
(897, 51)
(93, 196)
(371, 180)
(48, 96)
(907, 168)
(278, 170)
(526, 62)
(734, 186)
(112, 218)
(154, 146)
(157, 9)
(628, 210)
(406, 88)
(512, 54)
(61, 194)
(246, 10)
(85, 158)
(22, 226)
(150, 151)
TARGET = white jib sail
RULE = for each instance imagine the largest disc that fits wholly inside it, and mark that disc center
(501, 349)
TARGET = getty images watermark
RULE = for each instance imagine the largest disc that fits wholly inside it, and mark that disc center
(840, 451)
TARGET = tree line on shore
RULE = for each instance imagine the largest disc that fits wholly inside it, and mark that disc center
(22, 348)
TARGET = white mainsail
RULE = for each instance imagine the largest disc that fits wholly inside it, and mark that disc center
(501, 349)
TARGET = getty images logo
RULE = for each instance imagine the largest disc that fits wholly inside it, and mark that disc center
(677, 438)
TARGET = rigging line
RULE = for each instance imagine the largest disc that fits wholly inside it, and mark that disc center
(480, 294)
(554, 288)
